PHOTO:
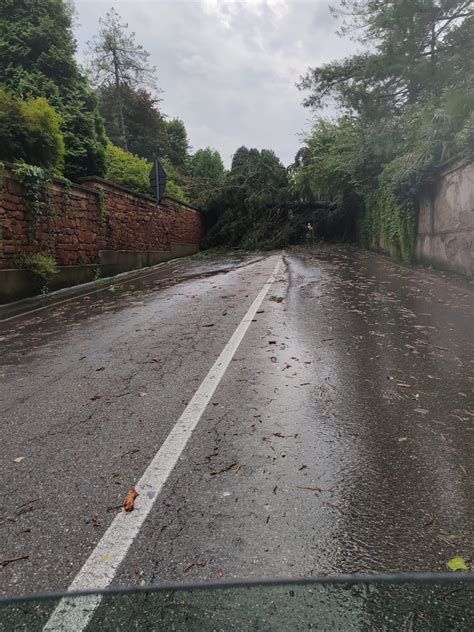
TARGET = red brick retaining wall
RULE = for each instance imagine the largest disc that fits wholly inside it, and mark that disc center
(78, 226)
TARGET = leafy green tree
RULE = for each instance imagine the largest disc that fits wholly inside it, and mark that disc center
(133, 172)
(206, 176)
(206, 163)
(416, 47)
(252, 208)
(37, 50)
(408, 105)
(174, 187)
(145, 125)
(127, 169)
(30, 132)
(178, 143)
(119, 63)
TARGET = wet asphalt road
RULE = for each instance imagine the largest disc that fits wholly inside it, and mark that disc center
(340, 439)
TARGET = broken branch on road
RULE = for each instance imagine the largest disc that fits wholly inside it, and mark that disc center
(13, 559)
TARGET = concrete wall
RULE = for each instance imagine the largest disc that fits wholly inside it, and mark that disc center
(93, 225)
(446, 220)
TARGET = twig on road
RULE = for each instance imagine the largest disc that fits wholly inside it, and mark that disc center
(13, 559)
(316, 490)
(427, 344)
(224, 469)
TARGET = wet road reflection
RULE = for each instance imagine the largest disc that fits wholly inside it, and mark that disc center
(396, 368)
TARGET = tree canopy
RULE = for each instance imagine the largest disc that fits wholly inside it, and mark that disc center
(30, 132)
(405, 105)
(37, 49)
(118, 64)
(144, 123)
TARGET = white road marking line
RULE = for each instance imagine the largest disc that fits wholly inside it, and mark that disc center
(104, 561)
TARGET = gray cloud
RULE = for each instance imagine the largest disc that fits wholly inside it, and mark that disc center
(228, 69)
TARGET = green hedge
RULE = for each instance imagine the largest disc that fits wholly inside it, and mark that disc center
(30, 132)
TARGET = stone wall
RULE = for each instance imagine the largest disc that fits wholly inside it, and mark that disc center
(88, 225)
(446, 220)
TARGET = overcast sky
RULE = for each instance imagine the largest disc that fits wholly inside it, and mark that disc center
(228, 69)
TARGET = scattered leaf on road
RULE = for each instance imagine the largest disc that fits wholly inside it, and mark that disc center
(402, 439)
(101, 368)
(276, 299)
(156, 359)
(94, 397)
(129, 500)
(200, 563)
(141, 393)
(457, 563)
(19, 459)
(220, 573)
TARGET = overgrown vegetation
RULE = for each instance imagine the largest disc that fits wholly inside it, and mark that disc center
(37, 49)
(35, 183)
(404, 105)
(30, 131)
(408, 105)
(42, 266)
(252, 205)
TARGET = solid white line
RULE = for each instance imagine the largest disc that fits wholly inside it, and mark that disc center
(103, 563)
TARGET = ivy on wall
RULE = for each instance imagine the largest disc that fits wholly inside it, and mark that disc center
(390, 214)
(35, 183)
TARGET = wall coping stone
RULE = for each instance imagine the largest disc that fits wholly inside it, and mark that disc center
(119, 187)
(81, 185)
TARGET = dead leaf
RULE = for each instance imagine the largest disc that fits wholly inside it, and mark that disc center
(237, 468)
(156, 359)
(200, 563)
(273, 359)
(101, 368)
(94, 397)
(19, 459)
(141, 394)
(220, 573)
(95, 521)
(129, 500)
